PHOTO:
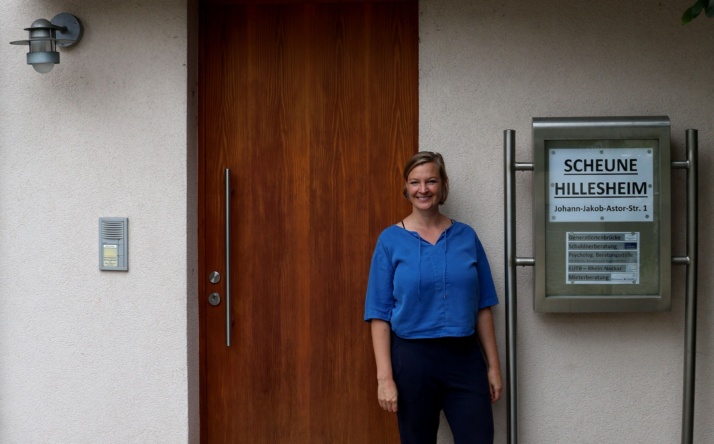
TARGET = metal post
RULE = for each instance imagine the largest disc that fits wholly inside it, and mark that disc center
(690, 325)
(509, 145)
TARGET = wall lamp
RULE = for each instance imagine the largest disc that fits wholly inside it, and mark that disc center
(65, 30)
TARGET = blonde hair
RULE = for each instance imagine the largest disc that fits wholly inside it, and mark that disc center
(421, 158)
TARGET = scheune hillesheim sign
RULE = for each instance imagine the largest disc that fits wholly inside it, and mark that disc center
(594, 185)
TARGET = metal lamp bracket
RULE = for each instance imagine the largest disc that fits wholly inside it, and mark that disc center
(71, 29)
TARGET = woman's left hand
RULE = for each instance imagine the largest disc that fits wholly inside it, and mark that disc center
(495, 383)
(487, 336)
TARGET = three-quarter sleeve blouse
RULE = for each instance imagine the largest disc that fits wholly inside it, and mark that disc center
(429, 290)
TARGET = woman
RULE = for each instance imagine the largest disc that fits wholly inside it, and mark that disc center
(428, 300)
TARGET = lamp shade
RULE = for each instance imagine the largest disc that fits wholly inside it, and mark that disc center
(64, 30)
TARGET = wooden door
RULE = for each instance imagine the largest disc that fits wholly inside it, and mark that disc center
(313, 109)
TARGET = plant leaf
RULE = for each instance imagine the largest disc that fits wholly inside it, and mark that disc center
(688, 16)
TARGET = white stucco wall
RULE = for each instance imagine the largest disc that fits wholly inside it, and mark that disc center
(88, 356)
(491, 65)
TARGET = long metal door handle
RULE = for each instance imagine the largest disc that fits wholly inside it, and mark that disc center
(228, 257)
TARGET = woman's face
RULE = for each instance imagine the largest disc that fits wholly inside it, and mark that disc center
(424, 186)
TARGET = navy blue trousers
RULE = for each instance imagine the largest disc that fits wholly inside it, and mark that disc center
(446, 374)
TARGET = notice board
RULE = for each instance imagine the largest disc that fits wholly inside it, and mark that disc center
(602, 214)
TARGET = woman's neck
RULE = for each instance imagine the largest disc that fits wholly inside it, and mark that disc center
(429, 226)
(426, 220)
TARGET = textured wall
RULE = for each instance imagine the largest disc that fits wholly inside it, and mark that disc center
(491, 65)
(90, 356)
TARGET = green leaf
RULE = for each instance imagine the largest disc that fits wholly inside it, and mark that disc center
(688, 16)
(693, 11)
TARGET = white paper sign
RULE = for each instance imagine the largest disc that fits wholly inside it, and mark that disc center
(601, 184)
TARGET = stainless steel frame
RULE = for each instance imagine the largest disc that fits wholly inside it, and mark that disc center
(512, 261)
(652, 293)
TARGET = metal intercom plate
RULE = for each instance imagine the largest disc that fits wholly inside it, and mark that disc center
(113, 241)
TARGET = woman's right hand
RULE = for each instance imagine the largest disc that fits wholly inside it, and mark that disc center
(387, 395)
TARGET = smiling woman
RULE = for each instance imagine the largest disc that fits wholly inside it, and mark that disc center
(429, 301)
(424, 187)
(428, 158)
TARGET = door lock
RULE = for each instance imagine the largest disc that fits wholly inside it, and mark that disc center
(214, 299)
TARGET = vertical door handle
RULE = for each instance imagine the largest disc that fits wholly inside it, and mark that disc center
(228, 257)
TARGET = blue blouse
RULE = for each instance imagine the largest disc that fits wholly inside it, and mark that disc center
(429, 291)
